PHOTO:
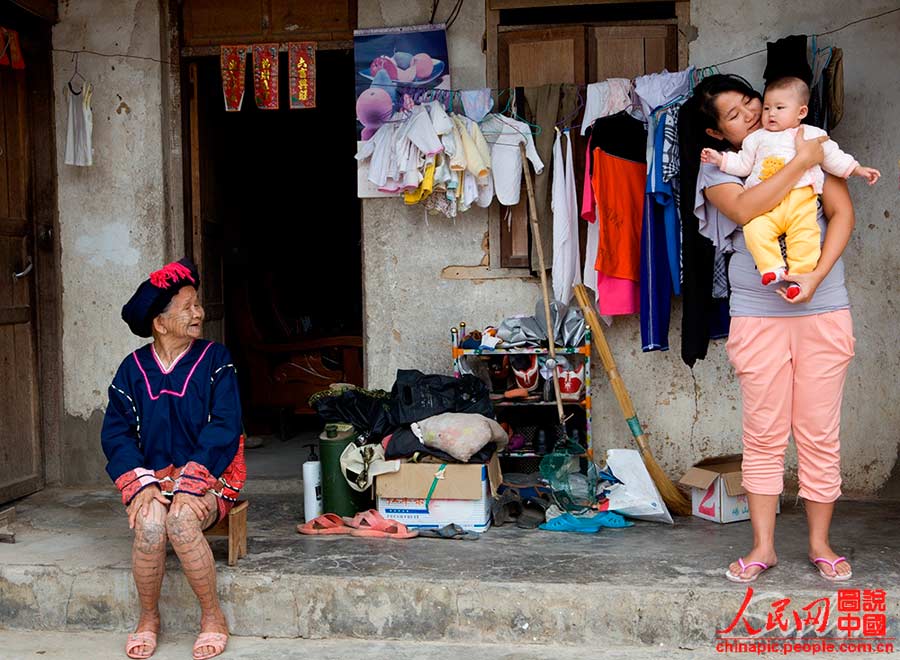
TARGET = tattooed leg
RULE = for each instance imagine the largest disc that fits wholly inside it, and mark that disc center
(192, 548)
(148, 565)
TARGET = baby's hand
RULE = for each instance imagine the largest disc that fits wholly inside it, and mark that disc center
(870, 174)
(711, 156)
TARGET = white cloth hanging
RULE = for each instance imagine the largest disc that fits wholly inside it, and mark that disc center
(566, 255)
(79, 126)
(606, 98)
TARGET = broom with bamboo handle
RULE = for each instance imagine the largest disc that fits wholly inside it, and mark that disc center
(545, 289)
(674, 498)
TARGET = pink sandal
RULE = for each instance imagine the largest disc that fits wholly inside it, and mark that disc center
(216, 640)
(372, 524)
(737, 578)
(837, 577)
(137, 640)
(329, 523)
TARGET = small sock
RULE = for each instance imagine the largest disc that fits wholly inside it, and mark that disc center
(773, 276)
(793, 291)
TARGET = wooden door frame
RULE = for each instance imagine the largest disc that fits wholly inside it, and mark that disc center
(35, 34)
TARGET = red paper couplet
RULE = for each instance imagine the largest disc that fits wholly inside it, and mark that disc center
(233, 62)
(265, 76)
(302, 63)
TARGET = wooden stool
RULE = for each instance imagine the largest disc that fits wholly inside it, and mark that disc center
(234, 526)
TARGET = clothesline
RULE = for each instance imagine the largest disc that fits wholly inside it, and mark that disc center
(734, 59)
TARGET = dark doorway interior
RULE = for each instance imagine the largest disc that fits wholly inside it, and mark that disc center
(283, 185)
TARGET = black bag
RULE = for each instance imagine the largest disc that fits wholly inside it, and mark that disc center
(416, 396)
(366, 411)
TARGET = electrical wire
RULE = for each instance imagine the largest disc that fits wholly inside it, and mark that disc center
(454, 14)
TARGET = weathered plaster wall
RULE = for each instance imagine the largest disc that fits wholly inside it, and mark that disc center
(110, 214)
(409, 308)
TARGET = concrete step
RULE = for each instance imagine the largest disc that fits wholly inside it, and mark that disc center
(100, 646)
(648, 585)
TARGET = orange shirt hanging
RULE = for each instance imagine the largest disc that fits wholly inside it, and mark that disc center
(618, 186)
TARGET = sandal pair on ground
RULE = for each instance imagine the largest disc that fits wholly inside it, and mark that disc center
(366, 524)
(372, 524)
(833, 577)
(147, 639)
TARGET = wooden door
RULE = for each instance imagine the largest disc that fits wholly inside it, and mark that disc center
(21, 459)
(530, 58)
(630, 51)
(206, 236)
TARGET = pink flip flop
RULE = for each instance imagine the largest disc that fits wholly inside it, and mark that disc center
(329, 523)
(837, 577)
(137, 640)
(737, 578)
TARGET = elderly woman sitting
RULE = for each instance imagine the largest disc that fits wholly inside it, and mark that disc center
(172, 436)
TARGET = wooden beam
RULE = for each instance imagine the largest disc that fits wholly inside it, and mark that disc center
(214, 51)
(486, 273)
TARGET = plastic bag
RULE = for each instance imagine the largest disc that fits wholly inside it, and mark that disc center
(560, 468)
(417, 396)
(459, 434)
(632, 492)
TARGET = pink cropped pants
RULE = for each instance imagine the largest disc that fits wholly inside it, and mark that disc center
(792, 371)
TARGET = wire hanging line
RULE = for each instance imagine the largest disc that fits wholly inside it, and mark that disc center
(454, 13)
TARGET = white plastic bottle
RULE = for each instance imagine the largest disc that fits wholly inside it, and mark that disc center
(312, 487)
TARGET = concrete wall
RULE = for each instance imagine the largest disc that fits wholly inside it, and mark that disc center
(110, 214)
(409, 308)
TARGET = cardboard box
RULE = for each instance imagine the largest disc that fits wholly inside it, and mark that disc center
(461, 495)
(716, 491)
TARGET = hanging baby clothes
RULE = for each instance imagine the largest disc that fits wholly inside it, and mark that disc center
(566, 256)
(504, 135)
(477, 103)
(79, 126)
(618, 178)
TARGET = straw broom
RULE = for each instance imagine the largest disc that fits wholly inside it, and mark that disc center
(674, 498)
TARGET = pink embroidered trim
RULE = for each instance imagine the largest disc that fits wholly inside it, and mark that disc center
(133, 482)
(186, 380)
(194, 479)
(174, 362)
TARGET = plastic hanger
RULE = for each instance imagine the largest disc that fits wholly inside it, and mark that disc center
(563, 124)
(76, 74)
(535, 129)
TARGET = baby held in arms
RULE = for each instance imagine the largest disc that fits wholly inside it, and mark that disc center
(762, 154)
